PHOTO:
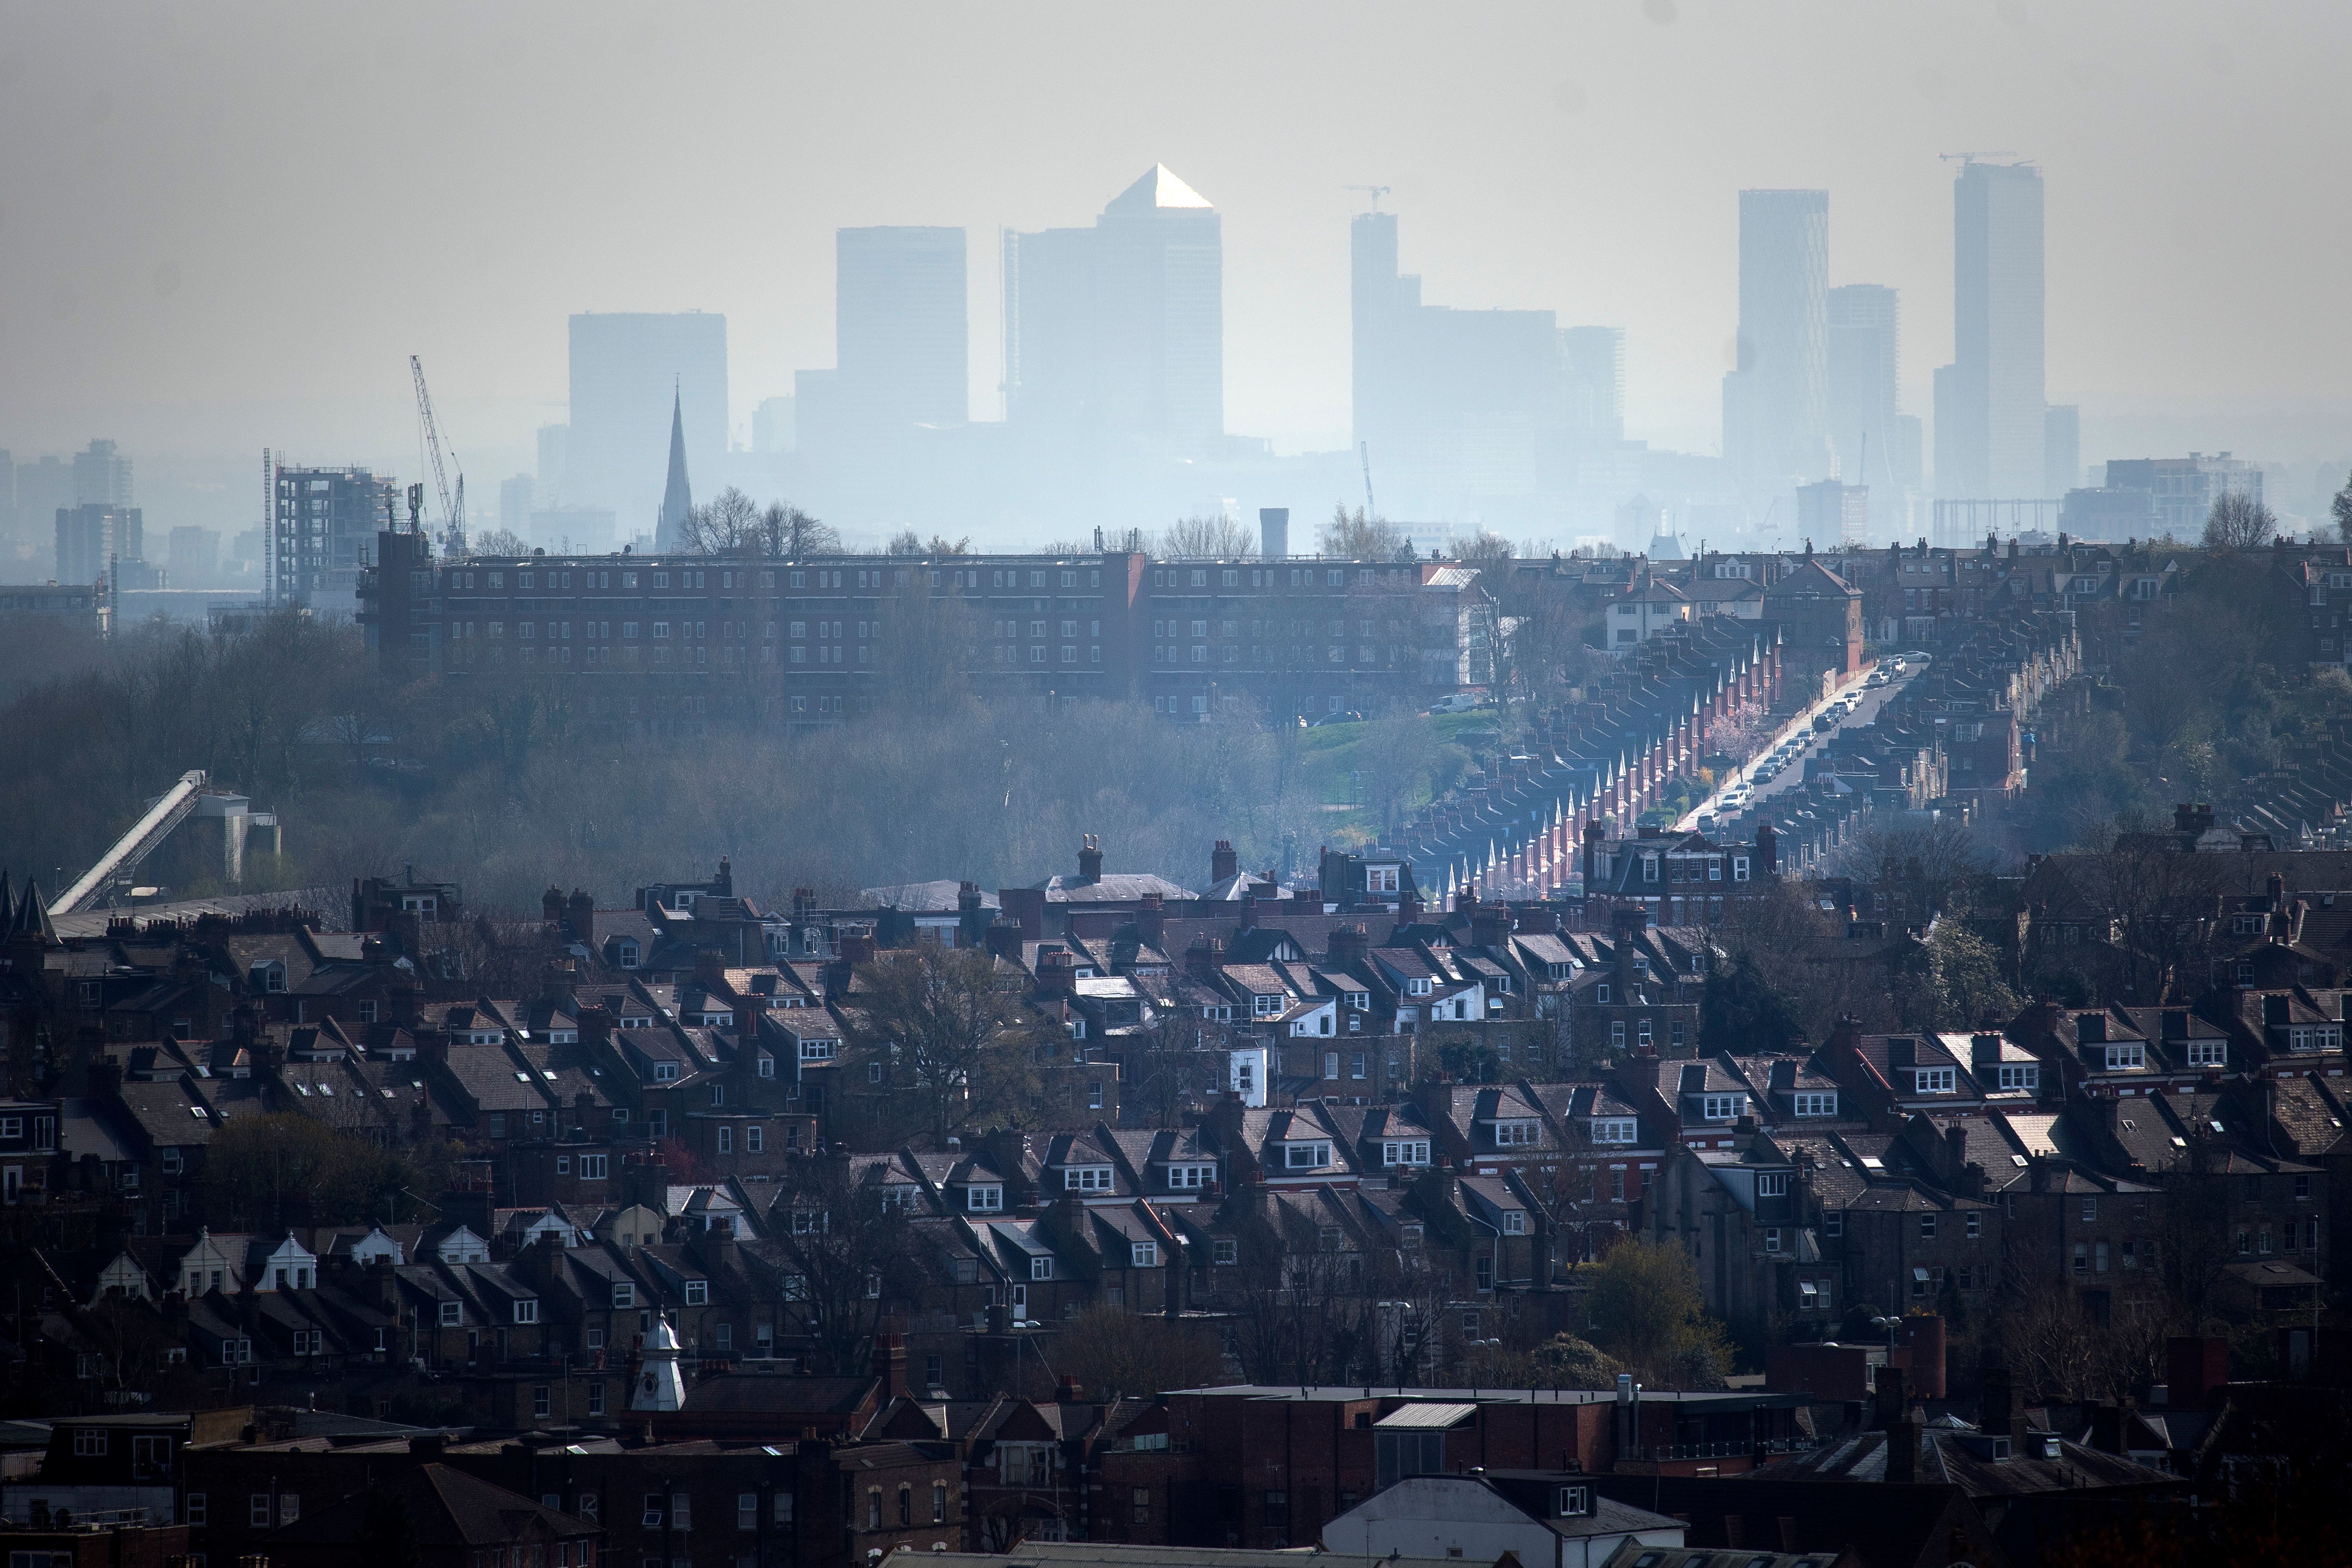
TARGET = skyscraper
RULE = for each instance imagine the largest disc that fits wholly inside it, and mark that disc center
(1120, 328)
(1456, 403)
(1989, 400)
(614, 453)
(902, 343)
(1775, 401)
(1864, 358)
(102, 477)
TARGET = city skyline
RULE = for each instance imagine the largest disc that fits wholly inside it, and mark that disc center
(1638, 232)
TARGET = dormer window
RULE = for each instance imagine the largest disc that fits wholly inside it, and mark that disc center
(1934, 1081)
(819, 1050)
(1265, 1006)
(1305, 1156)
(1380, 878)
(2123, 1058)
(1086, 1178)
(1571, 1503)
(1615, 1130)
(985, 1199)
(1514, 1222)
(2026, 1077)
(1515, 1134)
(1405, 1152)
(1721, 1107)
(1813, 1103)
(1772, 1184)
(1416, 987)
(664, 1071)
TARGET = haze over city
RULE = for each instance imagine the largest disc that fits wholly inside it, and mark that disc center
(227, 235)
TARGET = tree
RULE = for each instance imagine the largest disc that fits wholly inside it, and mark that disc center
(1741, 1011)
(906, 541)
(1647, 1312)
(848, 1257)
(1211, 537)
(727, 524)
(1958, 985)
(1562, 1361)
(952, 1041)
(1182, 1056)
(2342, 506)
(498, 542)
(1110, 1350)
(788, 533)
(280, 1169)
(1353, 536)
(2239, 522)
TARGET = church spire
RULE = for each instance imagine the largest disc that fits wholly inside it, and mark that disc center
(677, 498)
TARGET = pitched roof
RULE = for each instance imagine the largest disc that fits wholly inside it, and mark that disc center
(448, 1508)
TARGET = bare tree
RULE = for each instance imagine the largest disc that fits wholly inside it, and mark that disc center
(1211, 537)
(788, 533)
(2239, 522)
(848, 1258)
(1357, 536)
(727, 524)
(2342, 509)
(952, 1041)
(498, 542)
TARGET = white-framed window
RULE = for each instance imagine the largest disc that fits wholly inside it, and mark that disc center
(1145, 1255)
(1832, 1222)
(1814, 1102)
(1405, 1151)
(88, 1445)
(697, 1292)
(2125, 1055)
(593, 1166)
(1771, 1239)
(987, 1200)
(1772, 1184)
(1616, 1130)
(1934, 1080)
(624, 1294)
(1040, 1267)
(2025, 1077)
(453, 1314)
(819, 1050)
(1380, 878)
(2208, 1053)
(1086, 1178)
(1722, 1107)
(258, 1510)
(1514, 1222)
(196, 1509)
(526, 1312)
(1305, 1156)
(1515, 1133)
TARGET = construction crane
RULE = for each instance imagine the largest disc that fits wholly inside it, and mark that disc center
(1970, 157)
(452, 511)
(1372, 192)
(1372, 511)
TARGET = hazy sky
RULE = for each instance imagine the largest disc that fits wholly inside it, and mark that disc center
(226, 226)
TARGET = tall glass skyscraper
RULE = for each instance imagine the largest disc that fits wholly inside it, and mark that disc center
(1989, 400)
(1775, 401)
(1120, 328)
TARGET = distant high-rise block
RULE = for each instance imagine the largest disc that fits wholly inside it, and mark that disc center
(42, 486)
(1120, 328)
(1455, 402)
(323, 533)
(1775, 401)
(552, 441)
(1989, 400)
(94, 537)
(1595, 359)
(902, 340)
(1864, 358)
(102, 477)
(629, 375)
(515, 505)
(2062, 449)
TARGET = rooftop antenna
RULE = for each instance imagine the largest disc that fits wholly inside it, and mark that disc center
(1371, 512)
(1372, 193)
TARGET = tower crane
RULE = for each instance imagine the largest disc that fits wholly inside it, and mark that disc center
(1371, 193)
(453, 511)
